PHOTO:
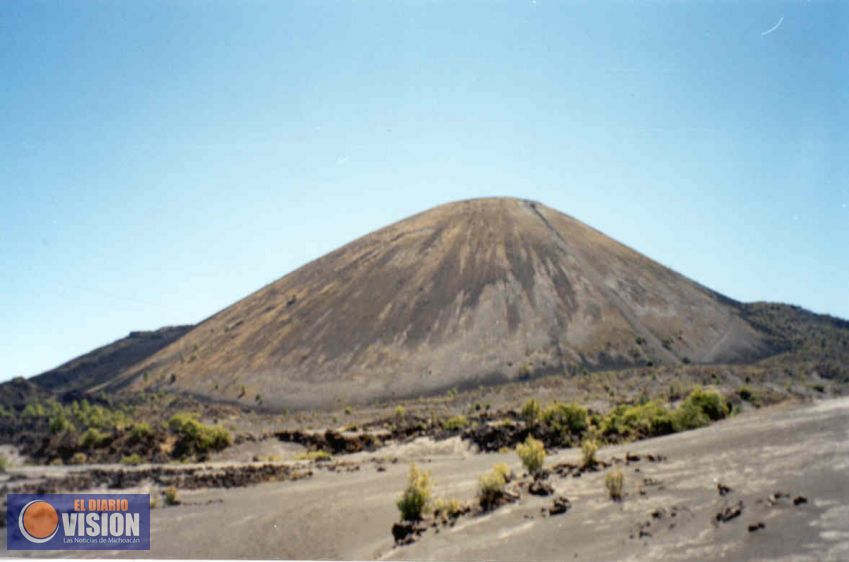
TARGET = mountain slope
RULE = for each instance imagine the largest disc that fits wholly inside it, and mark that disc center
(104, 363)
(464, 294)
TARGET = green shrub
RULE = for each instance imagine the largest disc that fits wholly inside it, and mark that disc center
(531, 411)
(79, 458)
(4, 463)
(588, 450)
(60, 424)
(745, 393)
(400, 411)
(195, 438)
(455, 423)
(416, 496)
(134, 459)
(449, 508)
(689, 416)
(97, 416)
(532, 454)
(614, 481)
(141, 431)
(709, 402)
(491, 489)
(33, 410)
(699, 409)
(317, 456)
(637, 422)
(172, 496)
(93, 438)
(566, 418)
(503, 470)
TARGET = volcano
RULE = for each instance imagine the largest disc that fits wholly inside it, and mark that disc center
(469, 293)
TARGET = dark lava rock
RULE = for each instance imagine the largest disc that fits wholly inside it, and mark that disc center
(491, 438)
(331, 441)
(540, 488)
(406, 532)
(560, 505)
(756, 526)
(729, 512)
(187, 478)
(723, 489)
(777, 497)
(799, 500)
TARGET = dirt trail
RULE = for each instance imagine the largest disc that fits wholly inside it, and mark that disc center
(800, 451)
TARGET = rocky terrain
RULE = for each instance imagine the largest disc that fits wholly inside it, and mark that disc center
(769, 484)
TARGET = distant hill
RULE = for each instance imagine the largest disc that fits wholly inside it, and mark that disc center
(465, 294)
(104, 363)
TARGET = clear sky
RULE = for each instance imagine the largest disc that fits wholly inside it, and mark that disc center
(160, 160)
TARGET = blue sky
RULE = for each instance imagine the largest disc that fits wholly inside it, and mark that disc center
(160, 160)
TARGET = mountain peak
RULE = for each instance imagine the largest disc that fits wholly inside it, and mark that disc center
(467, 293)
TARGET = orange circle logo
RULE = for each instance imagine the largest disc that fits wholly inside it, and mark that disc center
(38, 521)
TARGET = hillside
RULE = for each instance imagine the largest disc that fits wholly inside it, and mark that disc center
(465, 294)
(104, 363)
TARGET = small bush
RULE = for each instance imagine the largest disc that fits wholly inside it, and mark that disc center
(532, 454)
(566, 418)
(531, 411)
(79, 458)
(699, 409)
(316, 456)
(133, 460)
(449, 508)
(588, 450)
(614, 481)
(745, 393)
(140, 431)
(195, 438)
(93, 438)
(689, 416)
(709, 402)
(4, 463)
(491, 489)
(400, 411)
(416, 496)
(636, 422)
(172, 496)
(455, 423)
(503, 470)
(60, 424)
